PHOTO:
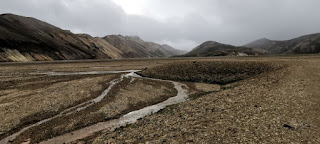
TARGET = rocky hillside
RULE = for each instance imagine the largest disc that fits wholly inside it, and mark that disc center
(133, 46)
(161, 50)
(307, 44)
(211, 48)
(29, 39)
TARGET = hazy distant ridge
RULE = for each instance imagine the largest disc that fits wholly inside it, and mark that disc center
(212, 48)
(308, 44)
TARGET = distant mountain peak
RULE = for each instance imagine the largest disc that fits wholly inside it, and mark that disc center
(166, 45)
(213, 43)
(14, 16)
(263, 39)
(8, 14)
(301, 45)
(213, 48)
(133, 36)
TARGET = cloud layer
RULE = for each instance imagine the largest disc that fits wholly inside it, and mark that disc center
(181, 23)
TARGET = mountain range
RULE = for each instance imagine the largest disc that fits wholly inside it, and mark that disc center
(308, 44)
(29, 39)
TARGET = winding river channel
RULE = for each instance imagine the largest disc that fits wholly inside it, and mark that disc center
(110, 125)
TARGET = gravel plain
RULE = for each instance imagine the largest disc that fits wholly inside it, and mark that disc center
(281, 106)
(277, 106)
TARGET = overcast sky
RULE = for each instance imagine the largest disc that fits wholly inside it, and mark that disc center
(180, 23)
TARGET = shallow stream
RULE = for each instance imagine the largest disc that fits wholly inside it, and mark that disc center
(110, 125)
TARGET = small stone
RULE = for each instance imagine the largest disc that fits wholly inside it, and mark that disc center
(288, 126)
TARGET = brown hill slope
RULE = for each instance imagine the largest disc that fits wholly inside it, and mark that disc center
(29, 39)
(211, 48)
(302, 45)
(133, 46)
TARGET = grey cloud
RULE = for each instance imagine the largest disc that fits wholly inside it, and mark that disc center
(181, 23)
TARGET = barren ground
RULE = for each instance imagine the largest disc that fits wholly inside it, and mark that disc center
(279, 106)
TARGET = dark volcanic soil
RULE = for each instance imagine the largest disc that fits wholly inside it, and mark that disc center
(277, 106)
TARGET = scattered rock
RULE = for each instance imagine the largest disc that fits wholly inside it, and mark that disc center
(288, 126)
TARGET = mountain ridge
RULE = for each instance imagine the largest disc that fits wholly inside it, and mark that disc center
(307, 44)
(213, 48)
(28, 39)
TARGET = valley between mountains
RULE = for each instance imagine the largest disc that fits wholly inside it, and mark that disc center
(60, 87)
